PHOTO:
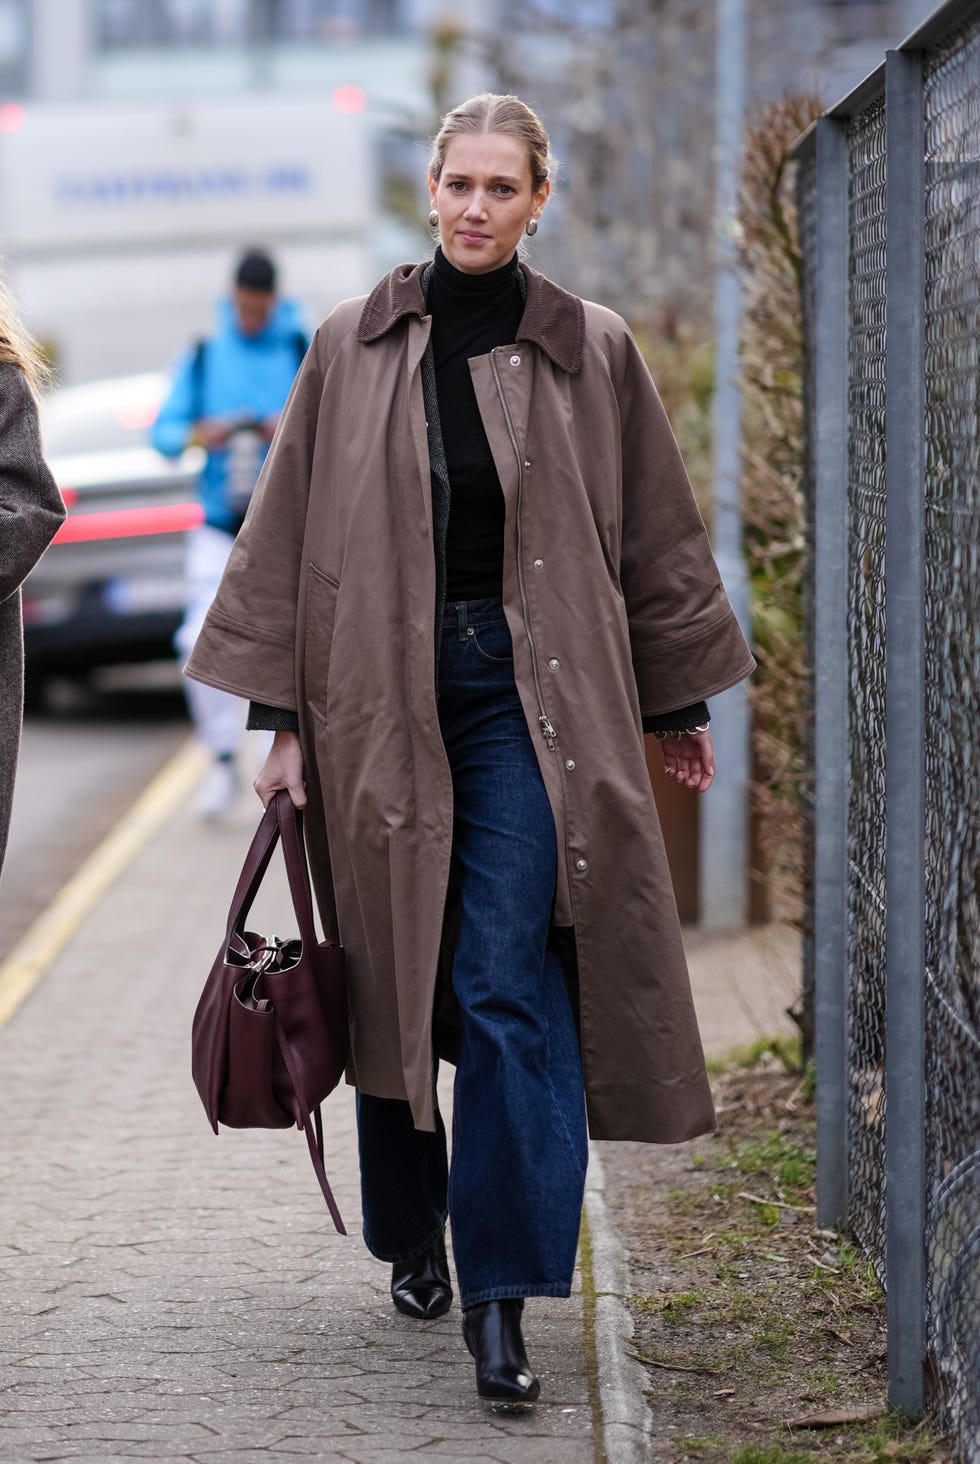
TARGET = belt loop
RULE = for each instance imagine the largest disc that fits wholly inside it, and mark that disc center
(462, 619)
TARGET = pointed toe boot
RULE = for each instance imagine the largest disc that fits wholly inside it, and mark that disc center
(492, 1332)
(420, 1287)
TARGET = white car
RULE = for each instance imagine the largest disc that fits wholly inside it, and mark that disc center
(110, 588)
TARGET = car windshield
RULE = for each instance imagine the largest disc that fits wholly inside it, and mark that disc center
(101, 416)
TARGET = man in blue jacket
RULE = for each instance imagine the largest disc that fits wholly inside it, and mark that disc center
(226, 397)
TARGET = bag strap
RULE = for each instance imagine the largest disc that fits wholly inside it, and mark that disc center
(290, 822)
(256, 863)
(315, 1143)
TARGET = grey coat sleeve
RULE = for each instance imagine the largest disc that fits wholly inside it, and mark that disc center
(31, 508)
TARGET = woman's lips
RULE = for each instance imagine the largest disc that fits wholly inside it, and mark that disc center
(473, 237)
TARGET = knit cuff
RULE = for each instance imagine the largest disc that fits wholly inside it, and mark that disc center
(683, 720)
(271, 719)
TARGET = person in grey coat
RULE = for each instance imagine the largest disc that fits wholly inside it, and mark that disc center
(31, 509)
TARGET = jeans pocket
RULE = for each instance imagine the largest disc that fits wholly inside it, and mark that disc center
(493, 642)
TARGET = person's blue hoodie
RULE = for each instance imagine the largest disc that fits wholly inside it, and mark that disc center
(241, 376)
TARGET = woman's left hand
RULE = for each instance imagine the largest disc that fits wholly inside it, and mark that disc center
(690, 760)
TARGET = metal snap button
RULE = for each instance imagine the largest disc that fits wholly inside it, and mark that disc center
(470, 630)
(554, 663)
(515, 360)
(539, 564)
(581, 865)
(570, 764)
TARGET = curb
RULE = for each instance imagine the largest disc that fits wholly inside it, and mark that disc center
(624, 1421)
(30, 958)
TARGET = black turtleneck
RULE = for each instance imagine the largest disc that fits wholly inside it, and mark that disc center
(471, 313)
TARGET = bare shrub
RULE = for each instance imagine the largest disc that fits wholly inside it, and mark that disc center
(773, 493)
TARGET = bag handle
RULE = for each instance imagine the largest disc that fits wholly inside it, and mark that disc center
(289, 820)
(256, 863)
(281, 820)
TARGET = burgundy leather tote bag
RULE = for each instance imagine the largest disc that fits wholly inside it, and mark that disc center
(269, 1038)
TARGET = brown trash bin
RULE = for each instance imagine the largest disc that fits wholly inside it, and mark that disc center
(678, 809)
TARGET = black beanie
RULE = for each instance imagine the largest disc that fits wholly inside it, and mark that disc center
(255, 271)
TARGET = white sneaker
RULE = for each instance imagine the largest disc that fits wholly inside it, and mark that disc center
(220, 790)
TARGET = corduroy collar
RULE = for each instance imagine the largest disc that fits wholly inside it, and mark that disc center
(553, 318)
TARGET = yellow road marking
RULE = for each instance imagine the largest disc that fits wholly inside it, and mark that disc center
(47, 937)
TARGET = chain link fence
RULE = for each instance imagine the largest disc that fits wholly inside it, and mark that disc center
(869, 271)
(951, 193)
(866, 666)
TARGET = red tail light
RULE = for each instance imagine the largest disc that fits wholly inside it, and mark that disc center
(125, 523)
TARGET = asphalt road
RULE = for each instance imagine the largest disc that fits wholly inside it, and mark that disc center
(83, 761)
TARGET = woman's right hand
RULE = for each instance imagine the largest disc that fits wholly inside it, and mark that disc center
(283, 768)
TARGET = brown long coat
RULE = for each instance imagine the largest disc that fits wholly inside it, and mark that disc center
(30, 513)
(615, 608)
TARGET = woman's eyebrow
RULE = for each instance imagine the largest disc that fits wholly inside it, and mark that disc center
(465, 178)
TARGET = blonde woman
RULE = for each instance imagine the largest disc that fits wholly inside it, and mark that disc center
(472, 577)
(30, 511)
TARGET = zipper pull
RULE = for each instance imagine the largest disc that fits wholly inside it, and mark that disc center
(547, 731)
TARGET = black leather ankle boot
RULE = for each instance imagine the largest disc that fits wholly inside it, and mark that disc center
(492, 1332)
(420, 1287)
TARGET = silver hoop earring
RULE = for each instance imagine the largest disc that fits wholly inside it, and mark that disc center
(531, 228)
(433, 218)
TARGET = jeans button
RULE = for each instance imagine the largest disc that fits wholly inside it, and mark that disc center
(470, 630)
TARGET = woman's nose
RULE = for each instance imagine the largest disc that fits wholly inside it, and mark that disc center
(477, 205)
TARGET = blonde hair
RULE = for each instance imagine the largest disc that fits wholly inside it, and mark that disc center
(18, 347)
(490, 112)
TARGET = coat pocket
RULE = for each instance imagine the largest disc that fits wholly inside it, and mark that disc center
(321, 611)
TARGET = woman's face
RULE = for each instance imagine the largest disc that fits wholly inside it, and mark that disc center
(484, 197)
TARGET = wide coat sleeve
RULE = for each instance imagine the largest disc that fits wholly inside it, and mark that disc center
(685, 642)
(31, 508)
(247, 643)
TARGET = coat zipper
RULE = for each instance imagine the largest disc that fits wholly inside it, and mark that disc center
(544, 721)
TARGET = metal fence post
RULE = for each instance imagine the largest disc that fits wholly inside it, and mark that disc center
(724, 819)
(905, 729)
(830, 672)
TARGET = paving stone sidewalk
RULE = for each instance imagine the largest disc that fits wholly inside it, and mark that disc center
(168, 1295)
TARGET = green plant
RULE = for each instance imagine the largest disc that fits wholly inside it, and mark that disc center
(774, 1337)
(673, 1306)
(772, 1455)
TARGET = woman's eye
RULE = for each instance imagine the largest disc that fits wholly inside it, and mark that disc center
(505, 188)
(457, 187)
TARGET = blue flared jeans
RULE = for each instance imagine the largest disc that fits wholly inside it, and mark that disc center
(513, 1190)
